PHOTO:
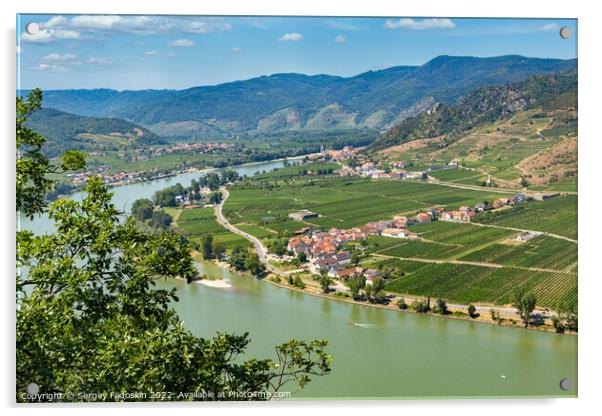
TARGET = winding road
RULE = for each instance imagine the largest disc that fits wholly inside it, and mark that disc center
(261, 250)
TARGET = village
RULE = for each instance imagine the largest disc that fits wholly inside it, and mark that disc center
(330, 252)
(144, 154)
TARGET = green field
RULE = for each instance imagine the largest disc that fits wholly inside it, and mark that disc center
(465, 176)
(341, 202)
(469, 284)
(556, 215)
(545, 252)
(261, 206)
(195, 223)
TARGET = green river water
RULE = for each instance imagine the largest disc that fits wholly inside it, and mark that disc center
(388, 354)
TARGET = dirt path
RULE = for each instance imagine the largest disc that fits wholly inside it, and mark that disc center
(561, 237)
(473, 263)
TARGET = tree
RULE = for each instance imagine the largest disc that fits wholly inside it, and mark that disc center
(524, 182)
(356, 257)
(378, 293)
(88, 317)
(302, 257)
(253, 265)
(368, 292)
(214, 197)
(441, 306)
(525, 304)
(207, 246)
(401, 304)
(471, 311)
(238, 257)
(420, 306)
(160, 219)
(355, 285)
(33, 166)
(142, 209)
(218, 249)
(325, 282)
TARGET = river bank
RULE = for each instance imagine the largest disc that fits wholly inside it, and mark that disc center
(508, 315)
(504, 315)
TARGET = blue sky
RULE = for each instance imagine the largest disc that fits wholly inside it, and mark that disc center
(175, 52)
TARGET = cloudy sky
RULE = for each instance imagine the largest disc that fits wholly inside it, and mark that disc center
(139, 52)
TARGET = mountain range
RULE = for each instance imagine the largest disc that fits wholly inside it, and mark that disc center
(284, 102)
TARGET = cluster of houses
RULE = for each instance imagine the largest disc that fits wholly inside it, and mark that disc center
(324, 253)
(113, 178)
(348, 152)
(323, 249)
(200, 148)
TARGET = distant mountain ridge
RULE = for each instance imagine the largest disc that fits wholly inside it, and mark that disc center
(281, 102)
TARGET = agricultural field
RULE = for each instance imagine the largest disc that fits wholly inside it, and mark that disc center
(556, 215)
(471, 284)
(261, 206)
(545, 252)
(195, 223)
(341, 202)
(465, 176)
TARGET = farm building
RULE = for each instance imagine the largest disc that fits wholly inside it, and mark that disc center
(302, 214)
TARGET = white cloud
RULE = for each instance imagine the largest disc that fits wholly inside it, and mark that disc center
(47, 67)
(60, 27)
(49, 35)
(235, 49)
(340, 39)
(58, 57)
(181, 43)
(54, 21)
(550, 27)
(159, 53)
(99, 61)
(406, 23)
(291, 37)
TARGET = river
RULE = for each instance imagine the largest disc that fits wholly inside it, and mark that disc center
(388, 355)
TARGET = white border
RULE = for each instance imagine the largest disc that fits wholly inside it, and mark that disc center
(590, 154)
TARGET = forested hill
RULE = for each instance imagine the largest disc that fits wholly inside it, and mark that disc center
(485, 105)
(69, 131)
(281, 102)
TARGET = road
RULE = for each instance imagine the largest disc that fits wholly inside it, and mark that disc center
(261, 250)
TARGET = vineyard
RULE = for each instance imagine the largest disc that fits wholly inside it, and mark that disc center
(470, 284)
(556, 215)
(542, 251)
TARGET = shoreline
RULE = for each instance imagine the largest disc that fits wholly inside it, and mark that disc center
(390, 306)
(206, 169)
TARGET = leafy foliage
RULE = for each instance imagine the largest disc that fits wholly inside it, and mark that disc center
(32, 164)
(90, 321)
